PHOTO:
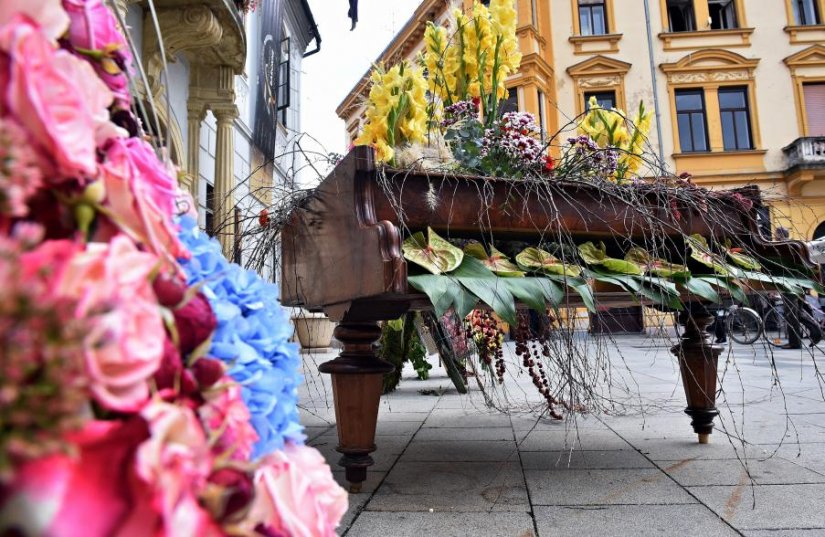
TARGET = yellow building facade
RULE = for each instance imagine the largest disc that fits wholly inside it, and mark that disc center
(737, 86)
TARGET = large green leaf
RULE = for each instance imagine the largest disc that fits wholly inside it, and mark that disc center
(793, 285)
(433, 253)
(728, 285)
(597, 255)
(661, 291)
(492, 290)
(496, 261)
(579, 285)
(537, 260)
(553, 292)
(657, 267)
(444, 292)
(700, 288)
(529, 291)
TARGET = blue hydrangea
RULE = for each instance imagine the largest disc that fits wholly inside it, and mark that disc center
(252, 338)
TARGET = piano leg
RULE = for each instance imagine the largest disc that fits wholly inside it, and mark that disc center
(698, 359)
(357, 380)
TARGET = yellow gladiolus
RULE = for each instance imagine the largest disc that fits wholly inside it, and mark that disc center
(396, 110)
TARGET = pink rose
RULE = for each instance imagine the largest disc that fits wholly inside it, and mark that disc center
(175, 461)
(195, 322)
(91, 494)
(55, 96)
(49, 14)
(20, 176)
(141, 195)
(112, 284)
(225, 413)
(296, 495)
(94, 28)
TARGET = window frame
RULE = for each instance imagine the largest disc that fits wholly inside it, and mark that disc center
(587, 94)
(284, 67)
(209, 210)
(609, 21)
(589, 8)
(704, 111)
(734, 110)
(733, 5)
(701, 13)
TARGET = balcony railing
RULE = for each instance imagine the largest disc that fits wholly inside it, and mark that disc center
(806, 152)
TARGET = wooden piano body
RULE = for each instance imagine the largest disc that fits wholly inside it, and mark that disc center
(342, 255)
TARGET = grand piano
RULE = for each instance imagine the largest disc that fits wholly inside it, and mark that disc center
(342, 255)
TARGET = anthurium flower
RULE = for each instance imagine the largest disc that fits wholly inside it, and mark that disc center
(657, 267)
(535, 259)
(433, 253)
(597, 255)
(700, 251)
(738, 256)
(497, 262)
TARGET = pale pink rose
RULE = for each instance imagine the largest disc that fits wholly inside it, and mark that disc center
(176, 462)
(225, 413)
(95, 28)
(112, 284)
(49, 14)
(48, 92)
(296, 495)
(142, 198)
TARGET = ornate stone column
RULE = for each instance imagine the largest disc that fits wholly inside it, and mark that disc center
(225, 175)
(196, 112)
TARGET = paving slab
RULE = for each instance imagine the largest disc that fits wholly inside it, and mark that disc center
(603, 487)
(429, 434)
(385, 415)
(581, 439)
(583, 460)
(448, 486)
(356, 505)
(776, 507)
(384, 458)
(772, 471)
(683, 447)
(784, 533)
(374, 479)
(461, 451)
(635, 520)
(439, 524)
(461, 418)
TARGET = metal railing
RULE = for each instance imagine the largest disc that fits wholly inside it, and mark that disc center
(806, 151)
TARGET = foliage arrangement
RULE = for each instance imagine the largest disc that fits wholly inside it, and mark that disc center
(148, 386)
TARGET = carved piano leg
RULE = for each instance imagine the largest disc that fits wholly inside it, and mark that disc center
(357, 379)
(698, 360)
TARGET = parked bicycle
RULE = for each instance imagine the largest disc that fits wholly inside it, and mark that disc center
(741, 323)
(777, 329)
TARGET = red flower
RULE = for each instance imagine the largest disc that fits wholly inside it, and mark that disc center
(477, 102)
(549, 163)
(195, 322)
(263, 218)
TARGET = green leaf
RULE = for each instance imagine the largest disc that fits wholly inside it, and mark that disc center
(730, 286)
(537, 260)
(435, 254)
(580, 286)
(661, 291)
(496, 261)
(529, 291)
(553, 292)
(444, 292)
(597, 255)
(480, 281)
(701, 288)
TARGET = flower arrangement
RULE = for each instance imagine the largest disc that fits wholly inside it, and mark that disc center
(458, 99)
(147, 384)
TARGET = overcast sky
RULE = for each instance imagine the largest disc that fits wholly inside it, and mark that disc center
(345, 56)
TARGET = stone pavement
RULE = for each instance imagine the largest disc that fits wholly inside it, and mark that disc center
(448, 466)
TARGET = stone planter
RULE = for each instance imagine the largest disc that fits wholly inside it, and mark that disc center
(314, 330)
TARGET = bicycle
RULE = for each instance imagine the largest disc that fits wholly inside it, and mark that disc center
(742, 324)
(776, 326)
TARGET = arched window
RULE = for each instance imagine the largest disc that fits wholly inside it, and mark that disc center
(819, 232)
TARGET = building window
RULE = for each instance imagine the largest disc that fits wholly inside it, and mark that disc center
(510, 104)
(238, 249)
(722, 14)
(805, 12)
(283, 82)
(681, 16)
(814, 108)
(605, 99)
(542, 126)
(690, 116)
(592, 17)
(735, 116)
(209, 212)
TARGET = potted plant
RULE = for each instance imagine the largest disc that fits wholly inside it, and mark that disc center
(314, 330)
